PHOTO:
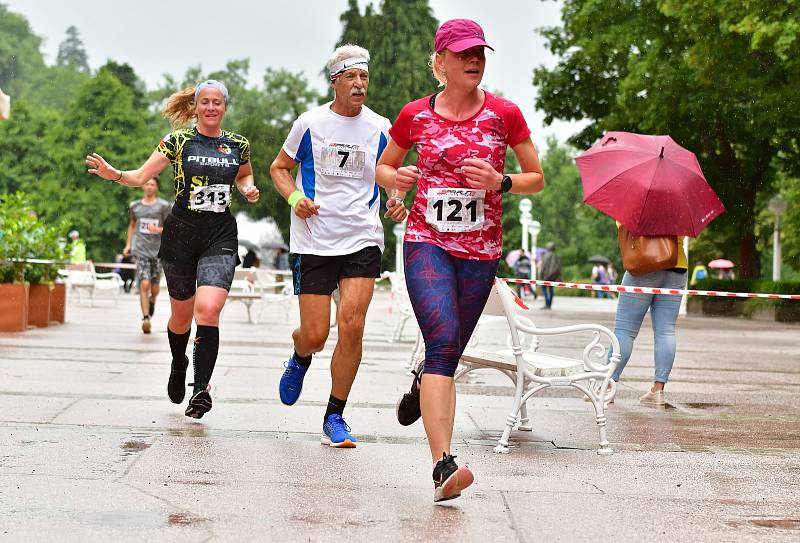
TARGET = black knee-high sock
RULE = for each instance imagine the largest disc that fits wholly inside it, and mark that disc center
(335, 405)
(177, 344)
(206, 347)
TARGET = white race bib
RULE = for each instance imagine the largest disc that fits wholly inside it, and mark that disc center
(215, 198)
(143, 224)
(455, 210)
(342, 160)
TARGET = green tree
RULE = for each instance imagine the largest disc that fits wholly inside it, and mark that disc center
(124, 72)
(101, 119)
(702, 72)
(71, 52)
(20, 56)
(24, 153)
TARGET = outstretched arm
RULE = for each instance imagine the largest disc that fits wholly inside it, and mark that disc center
(131, 178)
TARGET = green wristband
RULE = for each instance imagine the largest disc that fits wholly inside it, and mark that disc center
(295, 197)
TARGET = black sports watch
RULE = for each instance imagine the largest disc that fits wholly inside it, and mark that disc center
(505, 184)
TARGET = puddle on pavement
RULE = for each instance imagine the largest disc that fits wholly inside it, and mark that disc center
(196, 430)
(182, 519)
(701, 405)
(777, 523)
(135, 445)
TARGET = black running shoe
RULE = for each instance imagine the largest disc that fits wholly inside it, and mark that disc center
(449, 479)
(176, 386)
(199, 403)
(408, 411)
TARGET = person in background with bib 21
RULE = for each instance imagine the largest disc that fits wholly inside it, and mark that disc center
(199, 241)
(454, 237)
(144, 239)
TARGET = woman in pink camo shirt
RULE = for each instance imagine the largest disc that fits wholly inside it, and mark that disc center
(454, 236)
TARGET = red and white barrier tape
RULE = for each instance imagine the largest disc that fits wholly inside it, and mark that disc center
(650, 290)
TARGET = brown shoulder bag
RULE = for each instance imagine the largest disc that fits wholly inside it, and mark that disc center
(645, 254)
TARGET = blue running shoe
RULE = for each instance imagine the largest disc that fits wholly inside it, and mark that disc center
(292, 381)
(337, 433)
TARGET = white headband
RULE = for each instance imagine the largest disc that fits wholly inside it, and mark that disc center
(211, 84)
(348, 64)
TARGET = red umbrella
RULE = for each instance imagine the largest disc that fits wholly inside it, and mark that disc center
(721, 263)
(650, 184)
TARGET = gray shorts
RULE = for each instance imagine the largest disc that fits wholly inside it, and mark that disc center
(148, 269)
(211, 271)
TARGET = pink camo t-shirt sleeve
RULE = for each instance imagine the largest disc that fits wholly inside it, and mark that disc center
(400, 131)
(518, 130)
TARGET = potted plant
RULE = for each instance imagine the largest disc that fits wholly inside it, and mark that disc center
(47, 299)
(16, 221)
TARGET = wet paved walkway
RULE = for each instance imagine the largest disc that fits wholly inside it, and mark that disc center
(91, 449)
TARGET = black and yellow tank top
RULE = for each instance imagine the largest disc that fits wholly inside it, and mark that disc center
(204, 172)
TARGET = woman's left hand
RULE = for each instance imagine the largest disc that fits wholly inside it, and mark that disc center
(481, 175)
(251, 193)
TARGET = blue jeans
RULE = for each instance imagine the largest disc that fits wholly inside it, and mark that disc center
(548, 295)
(664, 308)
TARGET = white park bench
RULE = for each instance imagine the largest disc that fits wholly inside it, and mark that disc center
(83, 280)
(256, 287)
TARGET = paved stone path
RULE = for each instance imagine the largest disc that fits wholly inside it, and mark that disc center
(91, 449)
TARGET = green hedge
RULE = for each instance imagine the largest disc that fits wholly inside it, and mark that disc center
(753, 305)
(750, 285)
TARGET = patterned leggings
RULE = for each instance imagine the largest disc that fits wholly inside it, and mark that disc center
(448, 295)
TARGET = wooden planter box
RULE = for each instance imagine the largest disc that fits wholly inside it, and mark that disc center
(13, 307)
(39, 305)
(58, 302)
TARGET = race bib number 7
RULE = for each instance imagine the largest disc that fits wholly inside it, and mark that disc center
(455, 210)
(342, 160)
(214, 198)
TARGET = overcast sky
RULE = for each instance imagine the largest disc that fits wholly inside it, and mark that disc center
(157, 37)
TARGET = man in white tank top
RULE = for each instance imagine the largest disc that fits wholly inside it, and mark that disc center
(336, 231)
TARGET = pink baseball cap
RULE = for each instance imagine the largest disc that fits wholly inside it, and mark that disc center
(458, 35)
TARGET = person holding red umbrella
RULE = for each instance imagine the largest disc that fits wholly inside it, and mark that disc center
(653, 187)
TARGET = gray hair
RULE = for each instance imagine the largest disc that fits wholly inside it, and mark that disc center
(344, 52)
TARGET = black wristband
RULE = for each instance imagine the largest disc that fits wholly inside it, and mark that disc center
(505, 184)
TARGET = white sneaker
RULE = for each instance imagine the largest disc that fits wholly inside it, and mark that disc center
(653, 398)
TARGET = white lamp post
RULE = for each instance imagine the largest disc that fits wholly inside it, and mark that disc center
(536, 227)
(399, 231)
(525, 220)
(778, 206)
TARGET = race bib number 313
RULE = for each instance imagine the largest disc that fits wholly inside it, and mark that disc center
(342, 160)
(214, 198)
(455, 210)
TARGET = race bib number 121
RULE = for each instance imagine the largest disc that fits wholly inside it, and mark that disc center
(455, 210)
